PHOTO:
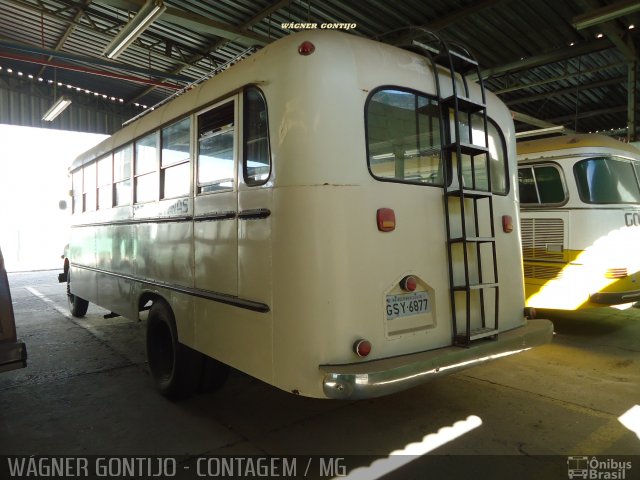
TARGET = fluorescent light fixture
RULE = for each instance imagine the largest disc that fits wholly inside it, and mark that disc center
(56, 109)
(151, 10)
(605, 14)
(541, 131)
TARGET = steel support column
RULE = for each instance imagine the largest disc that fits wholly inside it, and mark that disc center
(632, 95)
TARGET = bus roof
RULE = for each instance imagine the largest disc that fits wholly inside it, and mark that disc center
(566, 142)
(368, 63)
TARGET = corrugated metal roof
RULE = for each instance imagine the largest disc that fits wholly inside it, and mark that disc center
(524, 47)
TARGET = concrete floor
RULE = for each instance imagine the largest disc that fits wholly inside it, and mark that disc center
(87, 390)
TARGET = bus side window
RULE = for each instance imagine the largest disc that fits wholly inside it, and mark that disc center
(549, 184)
(257, 162)
(77, 188)
(146, 169)
(216, 140)
(122, 176)
(527, 185)
(90, 202)
(105, 178)
(541, 184)
(174, 162)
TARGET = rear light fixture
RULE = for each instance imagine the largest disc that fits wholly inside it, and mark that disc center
(362, 347)
(408, 283)
(306, 48)
(386, 219)
(507, 224)
(612, 273)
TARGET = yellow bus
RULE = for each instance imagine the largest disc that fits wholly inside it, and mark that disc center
(299, 217)
(580, 221)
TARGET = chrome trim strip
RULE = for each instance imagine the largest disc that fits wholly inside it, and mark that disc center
(195, 292)
(385, 376)
(136, 221)
(209, 217)
(254, 214)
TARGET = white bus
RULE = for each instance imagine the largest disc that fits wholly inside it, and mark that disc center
(292, 217)
(580, 221)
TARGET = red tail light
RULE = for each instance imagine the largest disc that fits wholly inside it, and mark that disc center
(408, 283)
(362, 348)
(306, 48)
(386, 219)
(507, 224)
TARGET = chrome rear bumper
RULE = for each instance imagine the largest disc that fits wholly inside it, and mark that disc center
(615, 298)
(382, 377)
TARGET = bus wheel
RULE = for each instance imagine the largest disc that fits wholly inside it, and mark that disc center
(214, 375)
(175, 367)
(77, 306)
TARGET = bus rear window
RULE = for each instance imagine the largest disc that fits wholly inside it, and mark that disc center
(403, 131)
(404, 142)
(607, 180)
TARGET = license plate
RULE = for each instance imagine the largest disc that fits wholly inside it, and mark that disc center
(407, 304)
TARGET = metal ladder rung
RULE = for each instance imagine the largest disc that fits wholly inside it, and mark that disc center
(474, 286)
(476, 334)
(461, 63)
(468, 193)
(466, 148)
(465, 104)
(473, 239)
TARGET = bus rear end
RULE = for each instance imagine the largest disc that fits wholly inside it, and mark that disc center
(383, 274)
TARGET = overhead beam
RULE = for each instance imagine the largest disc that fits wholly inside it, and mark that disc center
(76, 19)
(598, 15)
(524, 86)
(632, 104)
(250, 23)
(196, 22)
(549, 57)
(94, 31)
(611, 29)
(90, 60)
(447, 20)
(591, 113)
(566, 90)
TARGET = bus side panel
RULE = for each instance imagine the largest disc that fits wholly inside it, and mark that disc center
(254, 245)
(215, 243)
(82, 251)
(165, 251)
(238, 337)
(114, 293)
(84, 283)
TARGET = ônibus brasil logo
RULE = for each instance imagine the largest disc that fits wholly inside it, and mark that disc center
(597, 469)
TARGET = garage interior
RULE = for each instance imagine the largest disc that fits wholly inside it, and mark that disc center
(560, 67)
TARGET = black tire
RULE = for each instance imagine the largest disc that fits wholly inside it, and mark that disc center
(214, 375)
(77, 306)
(176, 368)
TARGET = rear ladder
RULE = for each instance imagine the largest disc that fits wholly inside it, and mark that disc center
(471, 246)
